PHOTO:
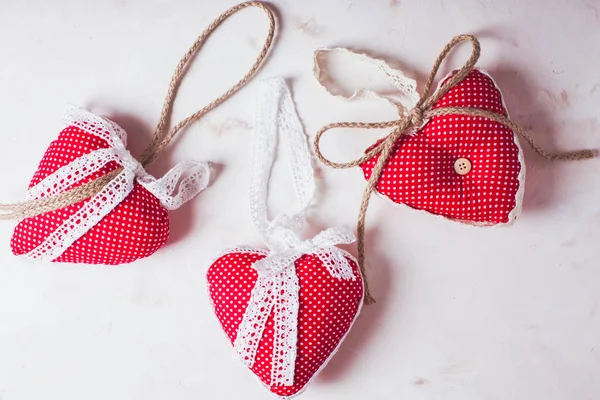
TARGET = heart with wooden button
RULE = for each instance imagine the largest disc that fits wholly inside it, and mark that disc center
(461, 167)
(452, 151)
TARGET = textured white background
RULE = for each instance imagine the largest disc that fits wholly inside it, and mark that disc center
(462, 313)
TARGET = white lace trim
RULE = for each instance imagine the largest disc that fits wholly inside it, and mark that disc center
(276, 117)
(184, 181)
(277, 290)
(406, 86)
(80, 222)
(94, 125)
(72, 173)
(172, 190)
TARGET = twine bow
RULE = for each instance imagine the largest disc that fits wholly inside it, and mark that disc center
(416, 118)
(160, 140)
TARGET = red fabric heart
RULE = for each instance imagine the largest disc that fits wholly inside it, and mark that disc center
(328, 307)
(421, 171)
(136, 228)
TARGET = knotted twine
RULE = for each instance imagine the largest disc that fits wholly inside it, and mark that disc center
(160, 140)
(415, 119)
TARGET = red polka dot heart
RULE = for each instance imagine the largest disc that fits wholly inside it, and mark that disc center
(285, 310)
(452, 151)
(461, 167)
(91, 202)
(328, 307)
(125, 221)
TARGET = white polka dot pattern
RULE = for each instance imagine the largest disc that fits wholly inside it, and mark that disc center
(421, 172)
(328, 307)
(136, 228)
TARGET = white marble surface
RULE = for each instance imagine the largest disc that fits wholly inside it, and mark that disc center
(463, 313)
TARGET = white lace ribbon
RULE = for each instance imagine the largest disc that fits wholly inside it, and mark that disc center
(276, 291)
(406, 87)
(179, 185)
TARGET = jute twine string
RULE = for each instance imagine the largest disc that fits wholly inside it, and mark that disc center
(415, 118)
(160, 140)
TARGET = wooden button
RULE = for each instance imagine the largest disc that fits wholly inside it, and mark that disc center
(462, 166)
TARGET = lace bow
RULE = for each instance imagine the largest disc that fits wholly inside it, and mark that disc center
(176, 187)
(276, 291)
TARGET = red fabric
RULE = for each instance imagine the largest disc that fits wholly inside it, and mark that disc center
(328, 307)
(421, 172)
(136, 228)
